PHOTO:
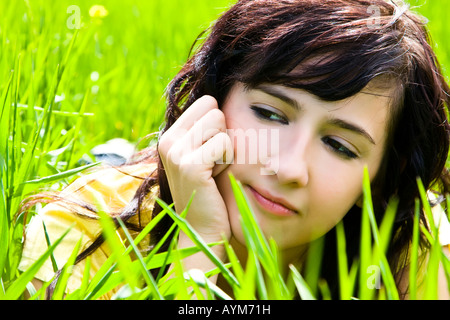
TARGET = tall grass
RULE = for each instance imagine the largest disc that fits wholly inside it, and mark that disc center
(65, 88)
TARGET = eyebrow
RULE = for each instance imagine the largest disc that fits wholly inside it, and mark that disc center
(351, 127)
(275, 92)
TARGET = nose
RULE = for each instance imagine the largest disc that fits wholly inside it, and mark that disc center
(293, 165)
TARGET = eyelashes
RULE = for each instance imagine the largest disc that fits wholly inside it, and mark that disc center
(339, 148)
(269, 115)
(335, 146)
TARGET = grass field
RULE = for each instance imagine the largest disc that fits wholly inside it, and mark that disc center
(72, 77)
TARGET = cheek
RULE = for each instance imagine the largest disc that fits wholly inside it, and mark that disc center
(326, 209)
(339, 187)
(336, 186)
(334, 192)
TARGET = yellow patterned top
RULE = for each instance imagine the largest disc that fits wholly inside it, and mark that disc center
(112, 189)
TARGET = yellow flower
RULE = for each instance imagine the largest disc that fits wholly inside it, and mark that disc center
(98, 11)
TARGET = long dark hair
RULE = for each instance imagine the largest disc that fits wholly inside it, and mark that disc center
(353, 44)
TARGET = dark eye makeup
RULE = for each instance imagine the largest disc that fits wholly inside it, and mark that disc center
(335, 146)
(269, 115)
(339, 148)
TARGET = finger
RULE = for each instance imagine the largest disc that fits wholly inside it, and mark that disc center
(204, 129)
(227, 157)
(195, 112)
(175, 139)
(214, 150)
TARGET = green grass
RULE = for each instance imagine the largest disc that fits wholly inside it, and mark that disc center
(64, 90)
(436, 15)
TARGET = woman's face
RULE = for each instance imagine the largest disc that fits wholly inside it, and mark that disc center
(300, 159)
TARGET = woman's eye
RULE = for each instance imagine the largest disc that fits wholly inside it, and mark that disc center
(339, 148)
(269, 115)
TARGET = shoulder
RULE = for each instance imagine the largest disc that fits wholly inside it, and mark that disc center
(110, 188)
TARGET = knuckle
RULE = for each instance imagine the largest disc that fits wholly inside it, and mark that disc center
(220, 136)
(163, 146)
(218, 117)
(174, 156)
(216, 114)
(224, 137)
(210, 100)
(166, 142)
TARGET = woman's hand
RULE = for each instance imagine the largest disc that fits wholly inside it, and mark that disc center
(189, 150)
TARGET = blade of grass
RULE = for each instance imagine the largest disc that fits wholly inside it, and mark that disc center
(61, 285)
(434, 254)
(255, 272)
(173, 230)
(81, 292)
(193, 285)
(165, 258)
(6, 92)
(236, 266)
(180, 284)
(147, 276)
(345, 288)
(38, 294)
(4, 224)
(314, 264)
(19, 285)
(324, 290)
(106, 279)
(117, 249)
(193, 235)
(13, 125)
(385, 230)
(47, 239)
(414, 254)
(199, 278)
(386, 273)
(366, 256)
(446, 266)
(258, 244)
(426, 207)
(61, 175)
(432, 274)
(303, 289)
(98, 285)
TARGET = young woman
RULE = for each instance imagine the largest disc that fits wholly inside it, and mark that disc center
(323, 89)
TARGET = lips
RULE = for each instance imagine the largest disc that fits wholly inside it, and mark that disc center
(272, 204)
